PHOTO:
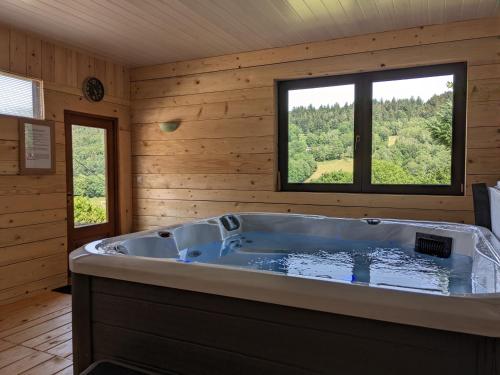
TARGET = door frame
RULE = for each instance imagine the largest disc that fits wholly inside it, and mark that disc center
(112, 169)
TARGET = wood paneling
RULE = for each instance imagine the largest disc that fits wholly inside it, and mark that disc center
(477, 51)
(426, 202)
(33, 57)
(202, 209)
(238, 163)
(484, 137)
(483, 161)
(4, 46)
(42, 184)
(222, 128)
(17, 52)
(228, 109)
(205, 98)
(484, 90)
(32, 233)
(222, 158)
(33, 254)
(30, 218)
(246, 145)
(22, 273)
(484, 114)
(32, 250)
(258, 182)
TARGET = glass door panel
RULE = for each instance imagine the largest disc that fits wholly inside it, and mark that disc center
(89, 176)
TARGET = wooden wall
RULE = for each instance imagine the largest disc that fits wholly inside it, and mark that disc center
(223, 157)
(33, 255)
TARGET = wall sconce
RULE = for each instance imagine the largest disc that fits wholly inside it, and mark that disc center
(169, 126)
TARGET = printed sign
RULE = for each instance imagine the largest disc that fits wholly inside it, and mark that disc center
(36, 147)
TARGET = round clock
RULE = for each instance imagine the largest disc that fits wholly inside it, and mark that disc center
(93, 89)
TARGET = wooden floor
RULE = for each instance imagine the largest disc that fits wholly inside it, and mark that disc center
(35, 336)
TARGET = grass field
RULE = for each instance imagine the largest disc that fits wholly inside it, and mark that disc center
(330, 166)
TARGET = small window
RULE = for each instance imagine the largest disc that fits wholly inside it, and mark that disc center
(396, 131)
(20, 96)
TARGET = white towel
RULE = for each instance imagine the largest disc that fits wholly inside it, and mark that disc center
(494, 193)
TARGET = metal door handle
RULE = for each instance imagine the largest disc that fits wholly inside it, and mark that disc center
(356, 142)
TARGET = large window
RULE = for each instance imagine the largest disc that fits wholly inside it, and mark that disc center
(395, 131)
(20, 96)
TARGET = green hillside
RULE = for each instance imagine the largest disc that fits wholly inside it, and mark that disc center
(411, 142)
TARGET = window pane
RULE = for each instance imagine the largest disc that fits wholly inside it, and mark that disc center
(321, 135)
(89, 175)
(412, 131)
(20, 96)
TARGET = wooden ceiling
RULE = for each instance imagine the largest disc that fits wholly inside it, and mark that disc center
(145, 32)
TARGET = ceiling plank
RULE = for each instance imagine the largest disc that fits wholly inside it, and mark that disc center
(147, 32)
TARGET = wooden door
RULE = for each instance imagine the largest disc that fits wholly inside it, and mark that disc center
(91, 178)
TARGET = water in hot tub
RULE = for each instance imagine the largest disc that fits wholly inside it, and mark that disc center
(376, 263)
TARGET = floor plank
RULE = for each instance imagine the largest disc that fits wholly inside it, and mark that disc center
(52, 366)
(34, 322)
(47, 337)
(67, 371)
(39, 329)
(62, 350)
(11, 317)
(54, 342)
(36, 337)
(26, 363)
(5, 345)
(39, 299)
(14, 354)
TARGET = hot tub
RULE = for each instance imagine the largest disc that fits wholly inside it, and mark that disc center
(292, 294)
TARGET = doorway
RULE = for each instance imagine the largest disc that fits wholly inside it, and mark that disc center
(91, 180)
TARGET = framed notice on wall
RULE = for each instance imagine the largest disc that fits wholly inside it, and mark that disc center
(36, 147)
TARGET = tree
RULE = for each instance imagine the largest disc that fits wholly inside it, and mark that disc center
(90, 186)
(335, 177)
(387, 172)
(440, 126)
(89, 161)
(301, 163)
(88, 211)
(89, 181)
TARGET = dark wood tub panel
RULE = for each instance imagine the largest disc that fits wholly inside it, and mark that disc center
(185, 332)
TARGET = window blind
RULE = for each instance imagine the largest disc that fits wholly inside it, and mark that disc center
(20, 96)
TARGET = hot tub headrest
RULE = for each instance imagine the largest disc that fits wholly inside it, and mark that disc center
(494, 195)
(487, 206)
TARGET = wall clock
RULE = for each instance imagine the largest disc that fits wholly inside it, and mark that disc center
(93, 89)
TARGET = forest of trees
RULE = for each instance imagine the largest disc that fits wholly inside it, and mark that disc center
(411, 142)
(89, 181)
